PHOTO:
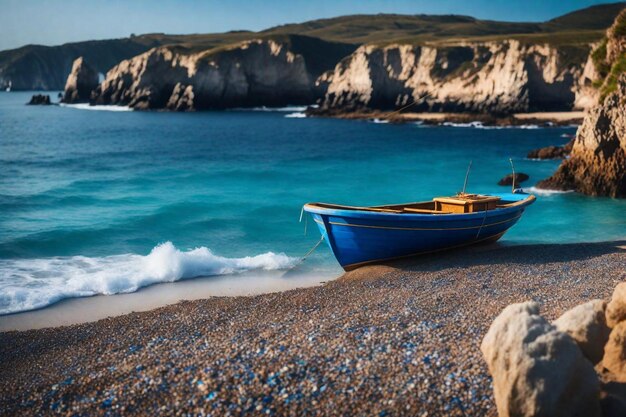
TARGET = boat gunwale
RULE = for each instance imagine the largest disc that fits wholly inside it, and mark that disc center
(362, 212)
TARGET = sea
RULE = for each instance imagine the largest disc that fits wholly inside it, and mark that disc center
(104, 200)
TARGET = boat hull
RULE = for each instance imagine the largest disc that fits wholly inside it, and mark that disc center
(357, 238)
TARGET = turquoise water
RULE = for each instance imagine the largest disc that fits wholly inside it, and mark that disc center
(86, 195)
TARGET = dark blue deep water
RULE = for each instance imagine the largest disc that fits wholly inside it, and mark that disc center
(89, 199)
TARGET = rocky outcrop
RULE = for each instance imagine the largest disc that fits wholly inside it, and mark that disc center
(597, 164)
(83, 79)
(543, 369)
(552, 152)
(519, 178)
(40, 100)
(538, 370)
(496, 77)
(268, 72)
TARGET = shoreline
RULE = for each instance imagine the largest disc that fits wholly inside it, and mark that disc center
(400, 338)
(546, 119)
(79, 310)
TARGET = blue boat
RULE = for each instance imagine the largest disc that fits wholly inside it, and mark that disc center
(364, 235)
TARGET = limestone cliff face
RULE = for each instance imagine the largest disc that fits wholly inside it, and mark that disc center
(597, 165)
(498, 77)
(82, 80)
(252, 73)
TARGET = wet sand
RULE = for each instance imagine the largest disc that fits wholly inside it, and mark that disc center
(400, 339)
(86, 309)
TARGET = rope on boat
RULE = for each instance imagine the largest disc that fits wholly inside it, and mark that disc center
(303, 258)
(481, 226)
(312, 249)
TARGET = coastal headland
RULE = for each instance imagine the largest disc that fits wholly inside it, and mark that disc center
(394, 339)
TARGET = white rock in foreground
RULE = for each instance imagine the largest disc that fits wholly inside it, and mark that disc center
(538, 370)
(586, 324)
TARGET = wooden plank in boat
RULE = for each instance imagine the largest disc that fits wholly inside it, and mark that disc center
(426, 211)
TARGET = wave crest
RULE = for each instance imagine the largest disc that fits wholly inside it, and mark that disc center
(97, 107)
(544, 192)
(48, 280)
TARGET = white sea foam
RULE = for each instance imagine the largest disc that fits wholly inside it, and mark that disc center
(297, 115)
(480, 125)
(379, 121)
(27, 284)
(543, 192)
(98, 107)
(277, 109)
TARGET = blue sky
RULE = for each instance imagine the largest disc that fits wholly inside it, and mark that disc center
(51, 22)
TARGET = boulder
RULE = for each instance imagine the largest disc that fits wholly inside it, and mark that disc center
(586, 324)
(616, 309)
(552, 152)
(615, 353)
(83, 79)
(40, 100)
(538, 370)
(520, 177)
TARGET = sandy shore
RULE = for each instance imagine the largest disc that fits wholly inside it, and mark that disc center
(401, 339)
(86, 309)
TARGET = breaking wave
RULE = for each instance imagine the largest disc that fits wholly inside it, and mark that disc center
(278, 109)
(480, 125)
(297, 115)
(544, 192)
(28, 284)
(97, 107)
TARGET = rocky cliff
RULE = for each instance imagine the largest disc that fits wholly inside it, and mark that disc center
(83, 79)
(38, 67)
(496, 77)
(597, 164)
(269, 72)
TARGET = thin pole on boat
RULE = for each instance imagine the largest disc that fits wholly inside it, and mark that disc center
(305, 220)
(513, 169)
(466, 177)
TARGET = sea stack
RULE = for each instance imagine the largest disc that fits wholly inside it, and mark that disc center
(83, 79)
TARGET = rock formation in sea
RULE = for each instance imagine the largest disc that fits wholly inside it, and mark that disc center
(597, 164)
(40, 100)
(519, 177)
(552, 152)
(83, 79)
(258, 72)
(575, 366)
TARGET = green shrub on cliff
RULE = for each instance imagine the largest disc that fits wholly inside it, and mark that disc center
(610, 82)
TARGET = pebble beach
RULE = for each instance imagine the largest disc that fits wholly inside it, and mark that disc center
(397, 339)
